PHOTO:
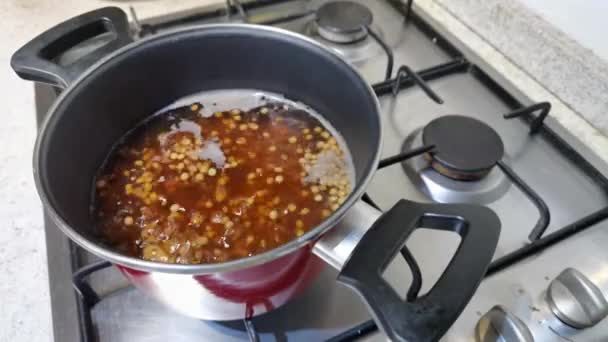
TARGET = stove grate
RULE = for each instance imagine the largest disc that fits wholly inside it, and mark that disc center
(543, 107)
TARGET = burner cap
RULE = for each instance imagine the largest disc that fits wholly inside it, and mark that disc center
(466, 148)
(343, 21)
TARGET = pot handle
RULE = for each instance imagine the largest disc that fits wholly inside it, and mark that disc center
(40, 59)
(428, 317)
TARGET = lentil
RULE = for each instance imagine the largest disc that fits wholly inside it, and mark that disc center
(182, 204)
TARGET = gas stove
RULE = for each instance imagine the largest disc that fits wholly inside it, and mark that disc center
(453, 132)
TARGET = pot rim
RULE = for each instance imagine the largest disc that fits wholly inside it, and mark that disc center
(195, 269)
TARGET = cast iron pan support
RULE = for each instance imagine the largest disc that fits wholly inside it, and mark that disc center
(408, 12)
(426, 318)
(239, 8)
(387, 49)
(404, 71)
(404, 156)
(537, 122)
(87, 297)
(545, 216)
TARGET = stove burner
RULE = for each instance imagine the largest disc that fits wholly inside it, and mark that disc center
(343, 21)
(465, 148)
(442, 189)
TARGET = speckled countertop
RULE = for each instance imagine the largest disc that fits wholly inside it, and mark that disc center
(519, 45)
(536, 58)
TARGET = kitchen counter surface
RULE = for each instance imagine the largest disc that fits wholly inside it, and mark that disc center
(533, 56)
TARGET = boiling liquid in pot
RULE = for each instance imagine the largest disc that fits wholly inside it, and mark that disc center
(221, 175)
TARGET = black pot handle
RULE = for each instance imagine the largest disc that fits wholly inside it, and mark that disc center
(38, 60)
(428, 317)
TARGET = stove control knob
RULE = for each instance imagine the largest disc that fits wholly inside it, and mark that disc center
(498, 324)
(575, 300)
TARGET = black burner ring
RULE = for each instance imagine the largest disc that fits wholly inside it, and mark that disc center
(465, 148)
(343, 21)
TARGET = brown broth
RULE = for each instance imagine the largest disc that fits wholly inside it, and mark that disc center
(191, 188)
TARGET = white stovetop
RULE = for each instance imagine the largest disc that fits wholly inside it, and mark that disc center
(24, 309)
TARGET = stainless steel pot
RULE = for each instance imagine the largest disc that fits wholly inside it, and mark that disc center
(109, 90)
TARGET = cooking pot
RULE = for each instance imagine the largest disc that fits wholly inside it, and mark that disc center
(108, 91)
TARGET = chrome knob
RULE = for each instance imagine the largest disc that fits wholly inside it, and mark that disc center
(575, 300)
(498, 324)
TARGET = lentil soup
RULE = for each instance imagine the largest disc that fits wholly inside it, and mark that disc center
(206, 182)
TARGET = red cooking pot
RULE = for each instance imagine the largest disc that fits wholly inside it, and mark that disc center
(111, 89)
